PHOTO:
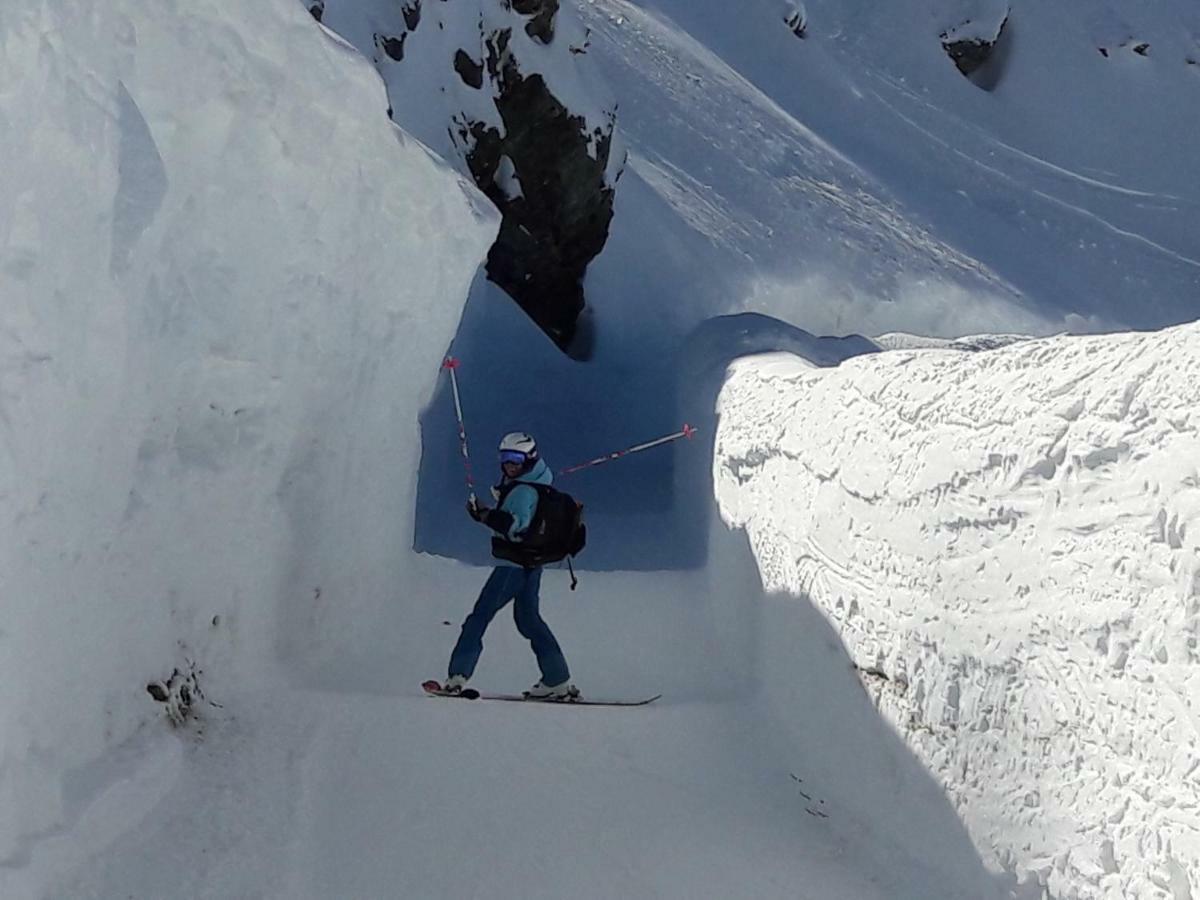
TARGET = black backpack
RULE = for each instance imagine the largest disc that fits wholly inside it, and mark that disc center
(556, 532)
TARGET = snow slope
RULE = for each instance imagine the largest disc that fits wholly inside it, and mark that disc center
(429, 98)
(855, 181)
(1007, 542)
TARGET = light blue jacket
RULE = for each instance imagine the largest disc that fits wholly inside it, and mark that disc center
(521, 502)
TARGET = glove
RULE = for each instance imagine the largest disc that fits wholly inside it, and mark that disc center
(475, 510)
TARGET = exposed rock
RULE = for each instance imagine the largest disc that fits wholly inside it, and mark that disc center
(158, 691)
(796, 19)
(393, 47)
(484, 159)
(980, 57)
(178, 694)
(1141, 48)
(541, 26)
(412, 14)
(317, 9)
(970, 54)
(557, 223)
(470, 71)
(560, 222)
(580, 49)
(544, 158)
(498, 55)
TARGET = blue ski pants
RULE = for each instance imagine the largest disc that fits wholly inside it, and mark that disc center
(521, 586)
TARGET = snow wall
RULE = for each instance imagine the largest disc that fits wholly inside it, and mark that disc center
(1008, 543)
(209, 271)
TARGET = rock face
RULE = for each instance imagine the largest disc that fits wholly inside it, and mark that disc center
(541, 17)
(796, 18)
(503, 86)
(978, 50)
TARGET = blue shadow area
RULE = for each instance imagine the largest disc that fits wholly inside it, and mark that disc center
(647, 511)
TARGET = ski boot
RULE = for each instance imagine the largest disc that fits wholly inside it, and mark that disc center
(556, 693)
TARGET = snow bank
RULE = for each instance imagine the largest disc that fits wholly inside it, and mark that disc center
(1009, 544)
(218, 328)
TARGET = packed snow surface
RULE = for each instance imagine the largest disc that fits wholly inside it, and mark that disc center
(1008, 543)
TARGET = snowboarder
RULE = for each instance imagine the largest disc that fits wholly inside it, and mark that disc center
(517, 508)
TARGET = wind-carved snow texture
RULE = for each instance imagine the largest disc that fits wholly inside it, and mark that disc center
(1009, 544)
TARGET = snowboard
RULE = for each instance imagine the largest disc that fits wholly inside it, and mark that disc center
(434, 689)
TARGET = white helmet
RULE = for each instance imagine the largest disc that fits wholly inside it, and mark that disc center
(519, 447)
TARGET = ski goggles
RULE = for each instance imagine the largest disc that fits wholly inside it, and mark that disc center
(513, 456)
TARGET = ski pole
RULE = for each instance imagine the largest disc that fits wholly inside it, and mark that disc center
(687, 432)
(450, 365)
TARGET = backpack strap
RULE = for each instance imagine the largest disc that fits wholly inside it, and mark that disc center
(507, 488)
(506, 519)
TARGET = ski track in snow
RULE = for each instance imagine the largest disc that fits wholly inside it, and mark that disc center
(982, 179)
(1019, 182)
(779, 166)
(1008, 542)
(1051, 198)
(701, 209)
(896, 87)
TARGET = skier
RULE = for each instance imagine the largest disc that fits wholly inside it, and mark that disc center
(521, 468)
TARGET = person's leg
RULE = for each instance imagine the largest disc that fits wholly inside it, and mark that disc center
(499, 589)
(531, 625)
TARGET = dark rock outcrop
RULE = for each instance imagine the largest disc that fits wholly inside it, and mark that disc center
(412, 14)
(1141, 48)
(971, 54)
(180, 693)
(392, 46)
(541, 21)
(468, 70)
(968, 55)
(545, 166)
(980, 58)
(796, 22)
(556, 201)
